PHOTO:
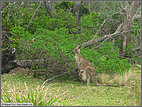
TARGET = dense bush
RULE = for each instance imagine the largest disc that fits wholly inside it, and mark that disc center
(53, 39)
(90, 23)
(68, 6)
(105, 59)
(56, 47)
(61, 19)
(63, 5)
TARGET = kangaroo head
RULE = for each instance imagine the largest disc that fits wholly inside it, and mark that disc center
(77, 49)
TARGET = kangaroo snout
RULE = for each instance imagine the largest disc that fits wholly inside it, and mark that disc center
(73, 51)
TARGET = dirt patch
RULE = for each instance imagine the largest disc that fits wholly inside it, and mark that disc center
(19, 70)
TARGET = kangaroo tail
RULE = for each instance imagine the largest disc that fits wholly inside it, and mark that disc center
(108, 85)
(93, 77)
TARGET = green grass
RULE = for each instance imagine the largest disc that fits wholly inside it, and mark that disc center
(77, 95)
(73, 93)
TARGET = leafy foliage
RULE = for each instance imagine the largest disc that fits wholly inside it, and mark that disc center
(68, 6)
(64, 5)
(39, 97)
(72, 93)
(58, 45)
(53, 39)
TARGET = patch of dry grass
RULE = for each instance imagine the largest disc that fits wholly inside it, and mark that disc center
(118, 79)
(134, 91)
(103, 78)
(131, 79)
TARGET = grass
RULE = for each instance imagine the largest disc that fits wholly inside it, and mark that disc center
(38, 96)
(118, 79)
(74, 94)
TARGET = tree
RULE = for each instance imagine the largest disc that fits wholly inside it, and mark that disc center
(123, 29)
(49, 7)
(77, 11)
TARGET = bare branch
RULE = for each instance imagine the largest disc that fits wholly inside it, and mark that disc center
(100, 39)
(136, 17)
(123, 8)
(9, 32)
(105, 20)
(137, 49)
(100, 28)
(48, 9)
(35, 11)
(101, 44)
(122, 27)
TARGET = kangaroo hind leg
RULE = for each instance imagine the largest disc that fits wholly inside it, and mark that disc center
(92, 75)
(88, 74)
(88, 79)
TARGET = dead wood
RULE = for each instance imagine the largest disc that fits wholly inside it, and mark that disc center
(8, 57)
(123, 27)
(56, 76)
(28, 63)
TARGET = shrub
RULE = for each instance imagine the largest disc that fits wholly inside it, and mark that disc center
(39, 97)
(63, 5)
(105, 59)
(60, 19)
(56, 48)
(49, 39)
(89, 23)
(69, 6)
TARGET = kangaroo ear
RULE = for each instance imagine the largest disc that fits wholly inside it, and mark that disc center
(79, 50)
(77, 46)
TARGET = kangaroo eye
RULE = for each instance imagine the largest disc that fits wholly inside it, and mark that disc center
(81, 72)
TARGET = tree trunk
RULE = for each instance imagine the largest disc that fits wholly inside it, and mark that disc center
(77, 11)
(49, 7)
(122, 29)
(79, 14)
(128, 18)
(89, 6)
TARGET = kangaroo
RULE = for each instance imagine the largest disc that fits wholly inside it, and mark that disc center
(86, 69)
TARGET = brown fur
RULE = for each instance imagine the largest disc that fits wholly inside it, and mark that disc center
(86, 69)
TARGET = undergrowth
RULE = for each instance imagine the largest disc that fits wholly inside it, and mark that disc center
(22, 88)
(39, 96)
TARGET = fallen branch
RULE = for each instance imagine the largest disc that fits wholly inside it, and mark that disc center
(56, 76)
(16, 36)
(10, 33)
(27, 63)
